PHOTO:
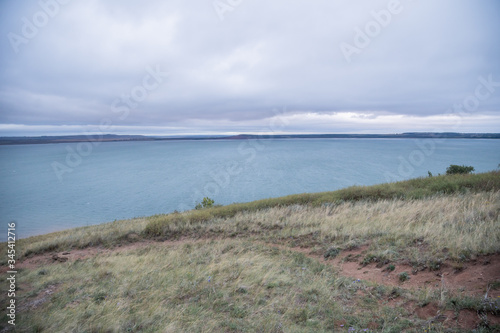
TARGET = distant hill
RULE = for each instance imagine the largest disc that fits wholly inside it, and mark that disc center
(410, 135)
(113, 138)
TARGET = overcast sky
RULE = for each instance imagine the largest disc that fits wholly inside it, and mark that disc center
(249, 66)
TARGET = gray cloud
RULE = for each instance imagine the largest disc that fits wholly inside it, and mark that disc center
(227, 74)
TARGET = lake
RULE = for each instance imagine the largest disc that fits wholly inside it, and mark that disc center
(52, 187)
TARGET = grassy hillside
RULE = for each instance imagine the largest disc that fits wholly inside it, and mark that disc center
(273, 265)
(159, 226)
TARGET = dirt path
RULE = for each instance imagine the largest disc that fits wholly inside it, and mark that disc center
(473, 277)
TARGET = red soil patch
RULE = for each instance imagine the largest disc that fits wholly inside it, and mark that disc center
(474, 277)
(425, 312)
(465, 319)
(468, 319)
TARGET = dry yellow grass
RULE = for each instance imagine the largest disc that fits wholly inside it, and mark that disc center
(107, 234)
(463, 224)
(459, 222)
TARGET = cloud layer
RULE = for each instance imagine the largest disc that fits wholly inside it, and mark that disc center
(234, 65)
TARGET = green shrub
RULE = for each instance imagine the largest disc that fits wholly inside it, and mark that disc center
(331, 253)
(206, 203)
(404, 277)
(459, 169)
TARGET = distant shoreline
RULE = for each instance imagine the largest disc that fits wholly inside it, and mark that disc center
(123, 138)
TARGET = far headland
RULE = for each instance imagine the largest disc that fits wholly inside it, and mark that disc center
(19, 140)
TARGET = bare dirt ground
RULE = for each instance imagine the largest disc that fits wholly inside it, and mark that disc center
(472, 277)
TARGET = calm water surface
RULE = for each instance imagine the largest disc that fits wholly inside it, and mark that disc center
(122, 180)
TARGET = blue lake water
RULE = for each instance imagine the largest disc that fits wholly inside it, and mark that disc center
(52, 187)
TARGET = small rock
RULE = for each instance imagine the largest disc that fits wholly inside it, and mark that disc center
(55, 257)
(242, 289)
(133, 236)
(66, 253)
